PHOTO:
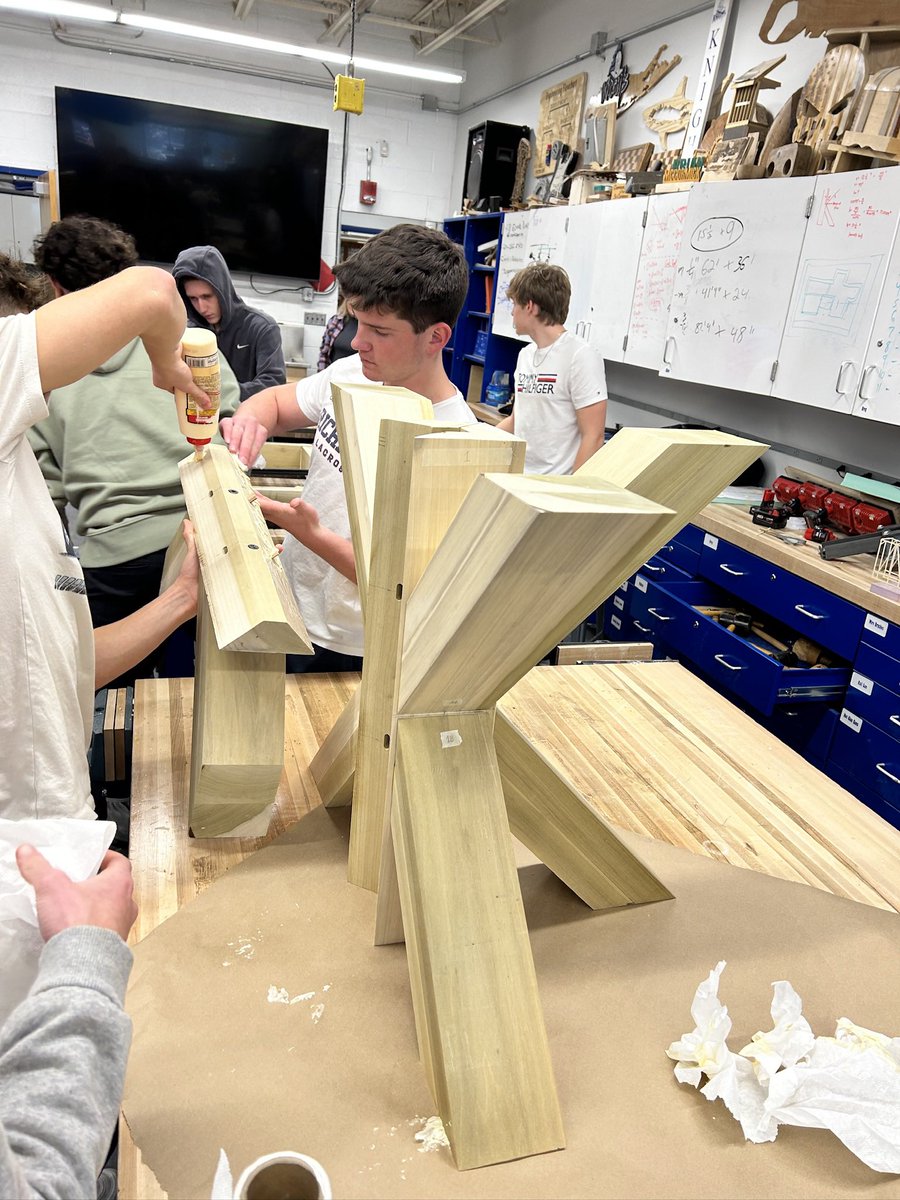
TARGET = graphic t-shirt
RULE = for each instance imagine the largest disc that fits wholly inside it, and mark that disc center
(550, 385)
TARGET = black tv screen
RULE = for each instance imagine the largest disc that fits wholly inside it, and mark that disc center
(175, 177)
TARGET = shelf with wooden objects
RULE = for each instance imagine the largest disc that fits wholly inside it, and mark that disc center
(475, 353)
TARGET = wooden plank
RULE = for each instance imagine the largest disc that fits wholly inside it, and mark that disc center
(238, 736)
(523, 553)
(334, 764)
(558, 825)
(478, 1013)
(359, 410)
(109, 736)
(120, 719)
(594, 652)
(286, 456)
(252, 604)
(283, 492)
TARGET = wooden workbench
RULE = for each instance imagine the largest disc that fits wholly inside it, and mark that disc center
(653, 748)
(846, 577)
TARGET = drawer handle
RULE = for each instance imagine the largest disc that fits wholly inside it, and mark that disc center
(864, 382)
(807, 612)
(659, 616)
(730, 570)
(881, 767)
(642, 628)
(653, 570)
(720, 658)
(894, 719)
(842, 373)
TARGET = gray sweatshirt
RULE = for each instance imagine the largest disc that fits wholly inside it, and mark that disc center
(62, 1068)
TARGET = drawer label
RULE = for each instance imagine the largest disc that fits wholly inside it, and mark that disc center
(640, 583)
(623, 587)
(710, 540)
(861, 683)
(851, 720)
(618, 603)
(876, 625)
(615, 622)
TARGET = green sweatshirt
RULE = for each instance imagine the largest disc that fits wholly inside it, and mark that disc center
(110, 448)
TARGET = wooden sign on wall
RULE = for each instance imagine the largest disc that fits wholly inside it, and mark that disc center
(562, 107)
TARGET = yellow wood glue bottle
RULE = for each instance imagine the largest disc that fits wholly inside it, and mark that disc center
(198, 424)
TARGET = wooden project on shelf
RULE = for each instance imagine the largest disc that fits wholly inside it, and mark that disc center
(472, 577)
(561, 107)
(247, 621)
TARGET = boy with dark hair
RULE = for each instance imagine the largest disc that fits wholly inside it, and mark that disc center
(78, 251)
(560, 398)
(248, 338)
(21, 290)
(406, 287)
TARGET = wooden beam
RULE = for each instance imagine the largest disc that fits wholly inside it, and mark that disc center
(285, 456)
(559, 826)
(478, 1014)
(422, 481)
(568, 653)
(334, 764)
(237, 744)
(251, 602)
(524, 551)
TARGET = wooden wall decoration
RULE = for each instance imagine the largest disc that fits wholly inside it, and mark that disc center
(462, 634)
(826, 99)
(639, 85)
(616, 81)
(742, 118)
(247, 620)
(781, 131)
(523, 157)
(813, 17)
(633, 158)
(875, 128)
(670, 115)
(729, 156)
(600, 130)
(561, 111)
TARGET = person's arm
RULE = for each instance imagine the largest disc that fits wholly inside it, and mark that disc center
(591, 429)
(63, 1049)
(508, 423)
(276, 410)
(122, 645)
(302, 520)
(80, 331)
(269, 363)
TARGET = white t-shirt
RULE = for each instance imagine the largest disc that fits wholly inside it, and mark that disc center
(47, 692)
(328, 600)
(550, 385)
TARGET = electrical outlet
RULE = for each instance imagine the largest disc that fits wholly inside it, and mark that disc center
(314, 318)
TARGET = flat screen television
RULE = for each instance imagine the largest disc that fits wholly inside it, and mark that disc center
(175, 177)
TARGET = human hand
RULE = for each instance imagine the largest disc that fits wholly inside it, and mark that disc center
(171, 373)
(188, 577)
(244, 436)
(298, 518)
(106, 900)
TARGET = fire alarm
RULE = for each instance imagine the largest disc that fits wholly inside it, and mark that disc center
(368, 190)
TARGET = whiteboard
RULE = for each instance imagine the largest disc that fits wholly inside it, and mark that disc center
(578, 258)
(513, 256)
(733, 281)
(648, 318)
(842, 266)
(613, 269)
(878, 397)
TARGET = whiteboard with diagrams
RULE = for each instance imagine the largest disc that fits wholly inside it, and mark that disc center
(537, 235)
(878, 396)
(613, 270)
(733, 281)
(849, 236)
(648, 311)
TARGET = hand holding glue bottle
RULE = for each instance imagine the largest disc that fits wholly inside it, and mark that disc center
(199, 419)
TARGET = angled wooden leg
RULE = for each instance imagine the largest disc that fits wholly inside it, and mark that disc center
(334, 764)
(478, 1015)
(237, 748)
(564, 832)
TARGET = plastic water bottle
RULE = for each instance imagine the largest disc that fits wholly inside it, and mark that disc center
(497, 391)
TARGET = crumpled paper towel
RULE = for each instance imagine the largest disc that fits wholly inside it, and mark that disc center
(73, 845)
(849, 1084)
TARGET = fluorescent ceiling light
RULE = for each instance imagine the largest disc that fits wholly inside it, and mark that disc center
(63, 8)
(94, 12)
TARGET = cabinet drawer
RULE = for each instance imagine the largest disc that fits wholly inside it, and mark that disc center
(659, 569)
(874, 703)
(872, 757)
(848, 780)
(883, 635)
(633, 630)
(734, 663)
(824, 618)
(683, 549)
(876, 664)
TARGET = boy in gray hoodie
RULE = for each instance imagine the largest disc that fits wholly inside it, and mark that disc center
(249, 339)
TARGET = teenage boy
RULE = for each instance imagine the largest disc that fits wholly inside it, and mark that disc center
(560, 398)
(406, 288)
(52, 663)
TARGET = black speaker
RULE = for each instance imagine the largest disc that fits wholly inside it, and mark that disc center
(491, 163)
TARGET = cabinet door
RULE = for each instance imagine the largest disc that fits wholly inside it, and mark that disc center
(7, 228)
(842, 269)
(614, 257)
(26, 224)
(733, 281)
(660, 247)
(878, 395)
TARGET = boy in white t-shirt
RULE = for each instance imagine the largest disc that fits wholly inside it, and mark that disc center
(406, 287)
(560, 398)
